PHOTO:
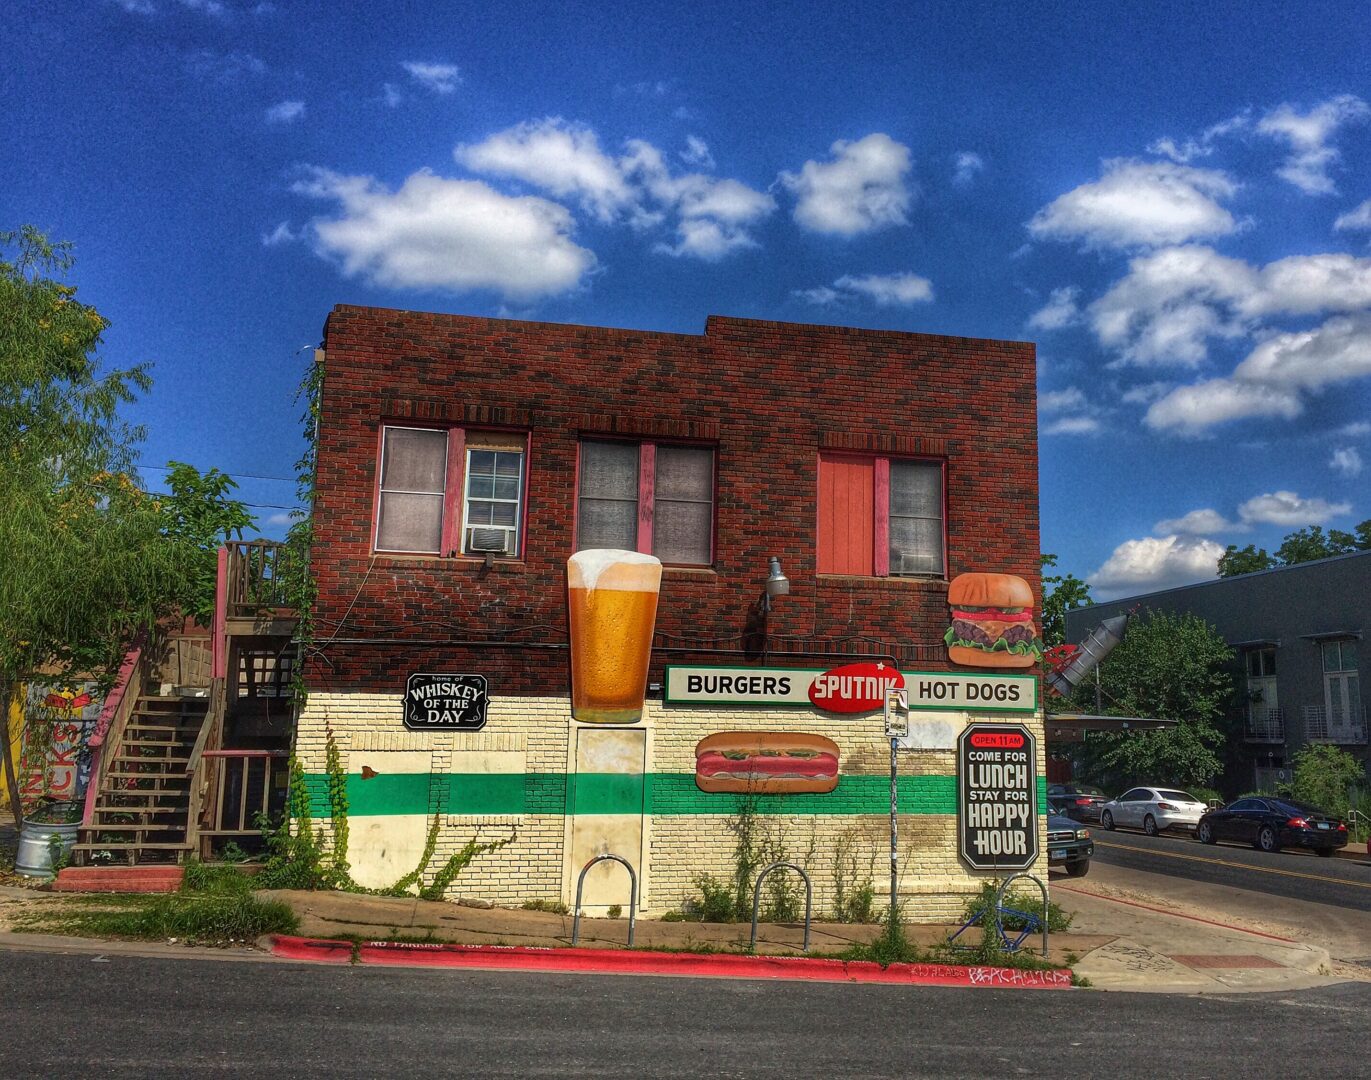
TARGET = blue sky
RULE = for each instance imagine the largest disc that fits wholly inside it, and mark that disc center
(1173, 200)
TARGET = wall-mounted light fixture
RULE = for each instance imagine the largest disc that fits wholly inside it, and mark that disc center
(777, 584)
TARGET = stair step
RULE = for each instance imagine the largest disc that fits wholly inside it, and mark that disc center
(139, 725)
(141, 879)
(146, 826)
(124, 845)
(148, 759)
(141, 810)
(179, 702)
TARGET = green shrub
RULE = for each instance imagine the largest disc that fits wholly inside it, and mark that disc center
(1058, 920)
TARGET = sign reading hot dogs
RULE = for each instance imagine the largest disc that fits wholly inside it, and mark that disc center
(971, 693)
(997, 797)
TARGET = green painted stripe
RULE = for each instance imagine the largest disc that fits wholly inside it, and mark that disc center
(657, 794)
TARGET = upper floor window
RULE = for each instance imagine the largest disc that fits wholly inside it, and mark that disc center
(1261, 663)
(650, 497)
(450, 492)
(880, 516)
(1340, 655)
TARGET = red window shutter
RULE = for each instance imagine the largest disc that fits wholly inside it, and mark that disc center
(847, 513)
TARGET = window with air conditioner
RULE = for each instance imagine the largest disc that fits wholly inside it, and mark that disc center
(450, 492)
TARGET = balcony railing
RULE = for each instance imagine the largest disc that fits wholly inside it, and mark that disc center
(258, 576)
(1264, 724)
(1346, 726)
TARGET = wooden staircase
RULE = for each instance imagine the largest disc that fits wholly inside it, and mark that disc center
(143, 804)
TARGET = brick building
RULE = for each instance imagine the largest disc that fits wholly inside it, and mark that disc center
(462, 460)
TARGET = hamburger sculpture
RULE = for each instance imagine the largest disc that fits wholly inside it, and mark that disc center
(992, 622)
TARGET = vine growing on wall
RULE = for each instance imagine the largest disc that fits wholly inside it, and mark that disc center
(300, 589)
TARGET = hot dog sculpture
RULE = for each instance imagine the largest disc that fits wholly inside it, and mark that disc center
(766, 762)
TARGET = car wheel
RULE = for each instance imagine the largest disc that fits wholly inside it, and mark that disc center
(1150, 825)
(1267, 839)
(1079, 868)
(1107, 820)
(1205, 833)
(1324, 852)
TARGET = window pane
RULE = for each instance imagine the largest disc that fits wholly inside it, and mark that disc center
(507, 464)
(502, 513)
(478, 513)
(506, 487)
(410, 522)
(608, 524)
(1349, 656)
(685, 472)
(480, 487)
(681, 532)
(414, 460)
(609, 470)
(482, 462)
(916, 517)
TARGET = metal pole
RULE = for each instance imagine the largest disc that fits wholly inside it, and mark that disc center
(893, 831)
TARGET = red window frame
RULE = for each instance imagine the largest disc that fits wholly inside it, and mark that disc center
(454, 489)
(880, 517)
(647, 484)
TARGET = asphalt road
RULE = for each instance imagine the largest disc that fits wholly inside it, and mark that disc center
(1340, 883)
(67, 1015)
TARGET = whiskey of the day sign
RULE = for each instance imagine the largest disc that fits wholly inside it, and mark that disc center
(445, 701)
(997, 797)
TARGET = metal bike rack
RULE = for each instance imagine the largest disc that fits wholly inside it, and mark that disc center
(632, 895)
(757, 898)
(999, 901)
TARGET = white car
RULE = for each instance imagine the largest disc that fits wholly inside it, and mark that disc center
(1152, 810)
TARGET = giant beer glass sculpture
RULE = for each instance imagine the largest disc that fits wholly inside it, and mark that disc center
(613, 606)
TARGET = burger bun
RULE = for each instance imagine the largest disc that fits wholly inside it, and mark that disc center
(970, 657)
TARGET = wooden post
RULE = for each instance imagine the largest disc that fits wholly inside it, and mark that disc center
(6, 694)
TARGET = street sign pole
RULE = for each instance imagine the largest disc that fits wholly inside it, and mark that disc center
(895, 700)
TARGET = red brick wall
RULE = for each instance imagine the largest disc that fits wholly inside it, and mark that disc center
(769, 395)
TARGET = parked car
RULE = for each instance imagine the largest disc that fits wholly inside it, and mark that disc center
(1068, 845)
(1080, 802)
(1153, 810)
(1270, 824)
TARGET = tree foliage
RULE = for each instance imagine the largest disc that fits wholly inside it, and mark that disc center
(84, 559)
(1061, 593)
(1323, 774)
(1302, 545)
(1173, 667)
(199, 516)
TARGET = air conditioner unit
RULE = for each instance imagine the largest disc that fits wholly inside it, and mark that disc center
(494, 541)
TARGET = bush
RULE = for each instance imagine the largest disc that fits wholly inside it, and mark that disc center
(1324, 776)
(983, 902)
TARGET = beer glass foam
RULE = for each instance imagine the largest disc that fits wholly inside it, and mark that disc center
(613, 608)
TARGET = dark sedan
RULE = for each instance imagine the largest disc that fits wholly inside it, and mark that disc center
(1271, 823)
(1079, 802)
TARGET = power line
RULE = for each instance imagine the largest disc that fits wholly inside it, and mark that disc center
(258, 506)
(239, 475)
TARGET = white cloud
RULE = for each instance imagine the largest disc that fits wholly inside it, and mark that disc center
(821, 296)
(1337, 351)
(138, 7)
(1172, 301)
(564, 159)
(440, 78)
(1204, 522)
(1360, 218)
(1060, 310)
(697, 153)
(1347, 461)
(1140, 204)
(455, 235)
(213, 8)
(1067, 400)
(886, 290)
(1145, 393)
(1155, 563)
(864, 187)
(713, 217)
(1288, 509)
(282, 234)
(286, 112)
(1308, 134)
(1187, 150)
(224, 68)
(281, 517)
(1073, 425)
(966, 165)
(1192, 410)
(1355, 430)
(889, 289)
(391, 95)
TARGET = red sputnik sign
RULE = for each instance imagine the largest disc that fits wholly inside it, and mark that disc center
(854, 688)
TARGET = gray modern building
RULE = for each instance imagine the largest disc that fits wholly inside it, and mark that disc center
(1298, 633)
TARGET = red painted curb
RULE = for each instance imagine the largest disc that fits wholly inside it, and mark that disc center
(625, 961)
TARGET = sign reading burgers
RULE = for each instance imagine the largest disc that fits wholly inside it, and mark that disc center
(992, 622)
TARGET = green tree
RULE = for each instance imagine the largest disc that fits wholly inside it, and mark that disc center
(85, 562)
(198, 517)
(1061, 593)
(1173, 667)
(1302, 545)
(1323, 775)
(1248, 560)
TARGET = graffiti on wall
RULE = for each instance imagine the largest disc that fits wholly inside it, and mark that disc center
(56, 761)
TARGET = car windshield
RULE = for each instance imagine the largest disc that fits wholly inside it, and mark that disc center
(1177, 796)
